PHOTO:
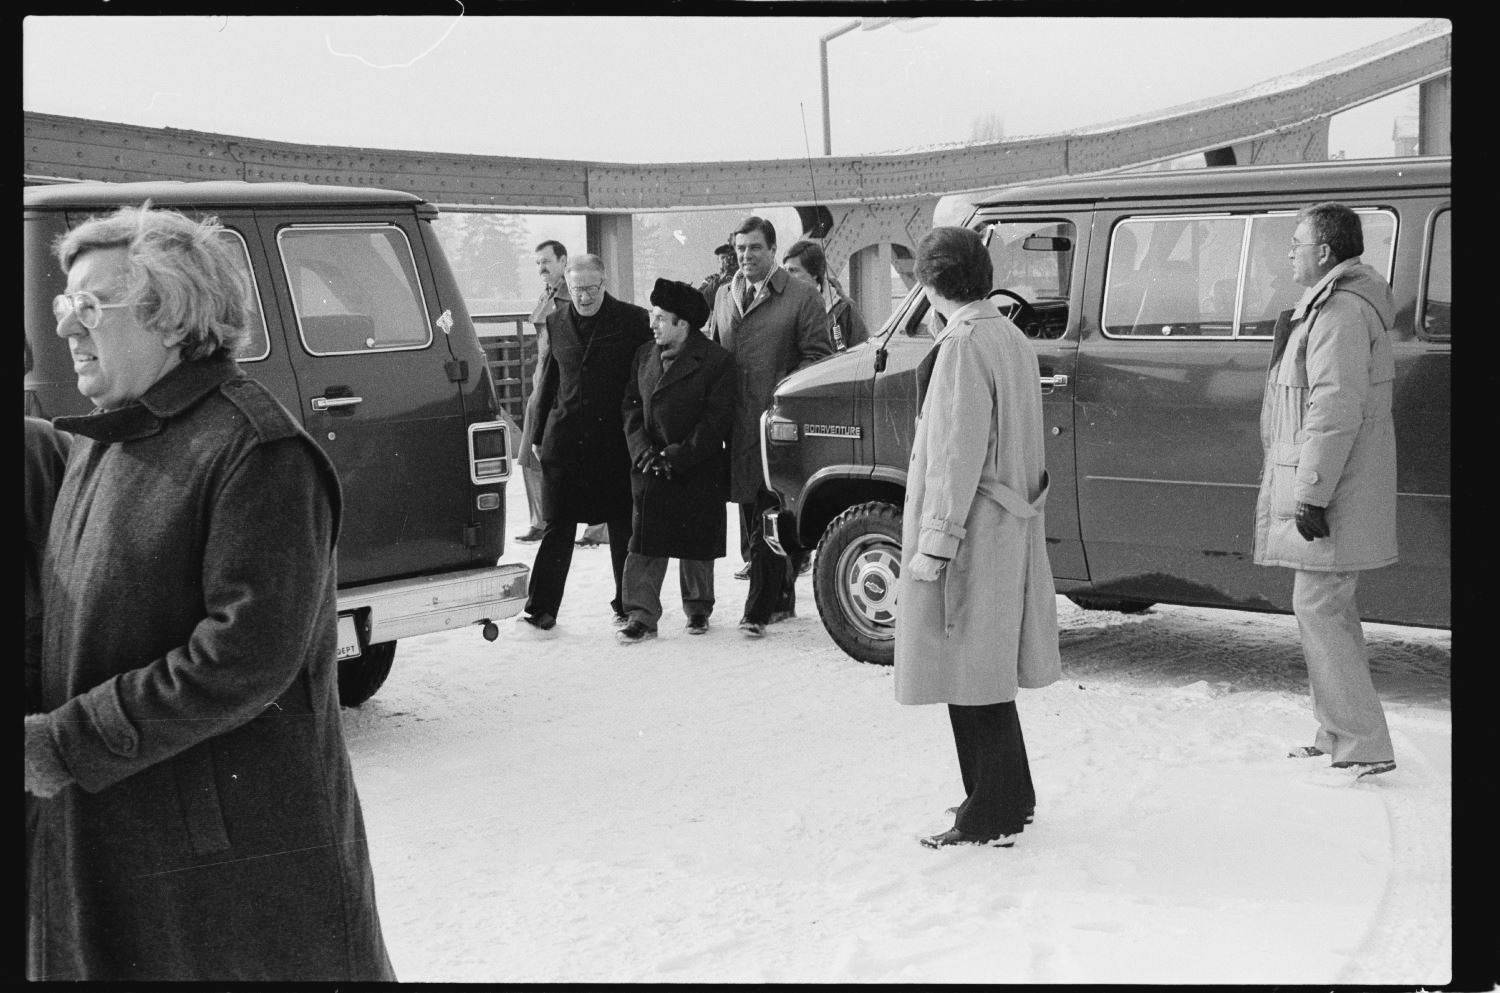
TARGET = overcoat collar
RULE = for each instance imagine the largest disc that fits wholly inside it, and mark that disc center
(168, 397)
(974, 310)
(689, 358)
(774, 283)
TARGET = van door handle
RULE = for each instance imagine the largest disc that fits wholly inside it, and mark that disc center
(327, 403)
(1054, 381)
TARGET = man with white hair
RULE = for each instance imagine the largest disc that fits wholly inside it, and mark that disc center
(580, 434)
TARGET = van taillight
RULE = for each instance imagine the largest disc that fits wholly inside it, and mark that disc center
(489, 452)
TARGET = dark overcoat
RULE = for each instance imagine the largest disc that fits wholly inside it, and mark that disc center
(785, 329)
(585, 464)
(684, 412)
(212, 831)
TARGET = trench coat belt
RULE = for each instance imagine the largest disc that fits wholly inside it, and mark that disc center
(1013, 502)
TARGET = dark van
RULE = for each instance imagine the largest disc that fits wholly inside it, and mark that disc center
(360, 329)
(1150, 299)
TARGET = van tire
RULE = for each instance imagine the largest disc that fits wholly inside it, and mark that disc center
(359, 678)
(1120, 604)
(861, 546)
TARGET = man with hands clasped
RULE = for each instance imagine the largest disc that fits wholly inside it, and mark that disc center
(678, 409)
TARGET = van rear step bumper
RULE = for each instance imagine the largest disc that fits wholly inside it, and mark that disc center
(405, 608)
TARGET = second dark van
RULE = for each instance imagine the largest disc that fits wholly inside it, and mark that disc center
(359, 329)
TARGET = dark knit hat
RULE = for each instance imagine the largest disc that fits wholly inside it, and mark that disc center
(681, 300)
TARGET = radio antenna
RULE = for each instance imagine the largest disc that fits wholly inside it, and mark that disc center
(811, 178)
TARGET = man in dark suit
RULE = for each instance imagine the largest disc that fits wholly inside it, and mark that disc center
(772, 324)
(580, 439)
(678, 408)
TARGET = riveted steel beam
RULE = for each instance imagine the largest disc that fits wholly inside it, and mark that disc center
(79, 149)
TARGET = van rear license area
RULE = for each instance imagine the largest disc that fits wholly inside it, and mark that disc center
(348, 647)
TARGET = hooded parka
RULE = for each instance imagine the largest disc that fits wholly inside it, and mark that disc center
(684, 412)
(1326, 427)
(212, 831)
(975, 490)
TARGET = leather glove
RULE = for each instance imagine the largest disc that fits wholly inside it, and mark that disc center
(1312, 522)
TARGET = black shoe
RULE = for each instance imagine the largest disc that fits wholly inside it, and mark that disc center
(1363, 769)
(805, 565)
(533, 534)
(953, 812)
(621, 619)
(752, 629)
(1305, 752)
(586, 542)
(697, 624)
(634, 633)
(542, 622)
(777, 616)
(953, 836)
(744, 572)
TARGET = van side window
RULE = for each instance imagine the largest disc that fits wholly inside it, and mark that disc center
(1173, 276)
(1213, 277)
(257, 344)
(1269, 287)
(1437, 306)
(354, 288)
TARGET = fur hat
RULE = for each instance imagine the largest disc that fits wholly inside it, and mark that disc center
(681, 300)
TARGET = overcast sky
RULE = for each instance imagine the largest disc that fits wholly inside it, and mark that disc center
(653, 89)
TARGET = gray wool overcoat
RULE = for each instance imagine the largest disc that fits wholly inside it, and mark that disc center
(785, 329)
(213, 831)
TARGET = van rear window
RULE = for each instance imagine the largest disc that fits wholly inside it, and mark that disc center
(1221, 276)
(354, 288)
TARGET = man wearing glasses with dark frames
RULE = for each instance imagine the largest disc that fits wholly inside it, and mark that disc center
(1327, 501)
(580, 434)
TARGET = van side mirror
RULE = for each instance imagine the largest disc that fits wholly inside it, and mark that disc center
(880, 359)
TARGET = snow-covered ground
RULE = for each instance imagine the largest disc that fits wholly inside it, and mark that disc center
(715, 809)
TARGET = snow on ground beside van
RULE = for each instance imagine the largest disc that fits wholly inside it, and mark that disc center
(699, 809)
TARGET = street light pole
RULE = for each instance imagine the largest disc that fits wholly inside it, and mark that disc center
(823, 65)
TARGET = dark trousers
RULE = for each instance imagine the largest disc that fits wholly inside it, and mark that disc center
(773, 579)
(992, 760)
(554, 556)
(643, 578)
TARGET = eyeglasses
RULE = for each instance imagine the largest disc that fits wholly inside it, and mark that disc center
(585, 290)
(82, 305)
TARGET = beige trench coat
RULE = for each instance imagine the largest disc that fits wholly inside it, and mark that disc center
(1327, 431)
(975, 490)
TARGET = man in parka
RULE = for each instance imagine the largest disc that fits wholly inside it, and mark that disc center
(1327, 501)
(678, 408)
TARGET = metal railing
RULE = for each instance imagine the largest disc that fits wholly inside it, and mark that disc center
(509, 344)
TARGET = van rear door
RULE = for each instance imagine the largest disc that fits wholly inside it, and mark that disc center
(374, 387)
